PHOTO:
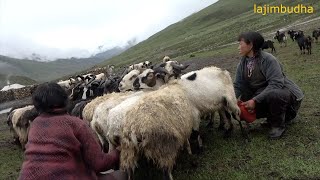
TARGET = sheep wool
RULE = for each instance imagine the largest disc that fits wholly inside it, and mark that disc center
(157, 126)
(89, 109)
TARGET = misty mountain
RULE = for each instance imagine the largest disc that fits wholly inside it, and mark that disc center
(41, 71)
(5, 79)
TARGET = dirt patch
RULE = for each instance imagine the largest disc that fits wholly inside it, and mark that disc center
(227, 62)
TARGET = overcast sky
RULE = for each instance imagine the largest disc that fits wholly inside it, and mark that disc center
(75, 28)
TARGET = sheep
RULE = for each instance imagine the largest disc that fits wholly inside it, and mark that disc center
(174, 69)
(127, 81)
(78, 107)
(281, 37)
(112, 84)
(100, 76)
(216, 84)
(316, 34)
(66, 84)
(157, 126)
(308, 44)
(139, 66)
(148, 64)
(160, 123)
(108, 115)
(86, 77)
(268, 44)
(19, 120)
(149, 80)
(165, 59)
(89, 109)
(303, 42)
(101, 111)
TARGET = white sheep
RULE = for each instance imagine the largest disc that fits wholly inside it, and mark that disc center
(166, 58)
(157, 126)
(127, 81)
(66, 84)
(160, 123)
(100, 76)
(151, 79)
(107, 118)
(89, 109)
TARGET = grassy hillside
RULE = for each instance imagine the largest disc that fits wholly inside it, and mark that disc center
(15, 79)
(210, 28)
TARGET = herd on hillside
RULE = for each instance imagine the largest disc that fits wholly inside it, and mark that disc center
(304, 41)
(125, 109)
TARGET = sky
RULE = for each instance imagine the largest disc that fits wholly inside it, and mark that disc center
(76, 28)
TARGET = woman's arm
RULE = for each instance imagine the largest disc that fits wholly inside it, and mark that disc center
(271, 69)
(238, 81)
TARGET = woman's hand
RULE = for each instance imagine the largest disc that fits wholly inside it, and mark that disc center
(250, 105)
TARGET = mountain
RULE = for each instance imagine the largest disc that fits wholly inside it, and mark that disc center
(211, 28)
(42, 71)
(5, 79)
(201, 34)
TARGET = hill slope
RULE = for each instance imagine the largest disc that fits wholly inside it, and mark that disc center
(15, 79)
(205, 31)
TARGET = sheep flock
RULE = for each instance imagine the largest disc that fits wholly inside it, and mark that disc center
(147, 110)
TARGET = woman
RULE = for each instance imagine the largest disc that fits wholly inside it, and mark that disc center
(261, 84)
(61, 146)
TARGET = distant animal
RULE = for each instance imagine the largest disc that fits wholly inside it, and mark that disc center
(281, 37)
(268, 44)
(316, 34)
(303, 42)
(292, 33)
(308, 44)
(166, 58)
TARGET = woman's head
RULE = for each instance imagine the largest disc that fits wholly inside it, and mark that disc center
(250, 43)
(49, 97)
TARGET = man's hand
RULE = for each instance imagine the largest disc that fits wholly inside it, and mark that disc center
(250, 105)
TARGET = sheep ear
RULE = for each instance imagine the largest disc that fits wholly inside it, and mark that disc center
(151, 67)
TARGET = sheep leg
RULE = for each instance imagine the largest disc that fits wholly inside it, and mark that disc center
(188, 147)
(200, 143)
(211, 119)
(130, 174)
(195, 135)
(228, 126)
(167, 175)
(222, 122)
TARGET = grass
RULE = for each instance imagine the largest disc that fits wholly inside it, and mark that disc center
(295, 156)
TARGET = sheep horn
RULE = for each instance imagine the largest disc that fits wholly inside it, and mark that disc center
(161, 70)
(179, 67)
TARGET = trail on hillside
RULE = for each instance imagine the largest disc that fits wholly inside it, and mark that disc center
(298, 25)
